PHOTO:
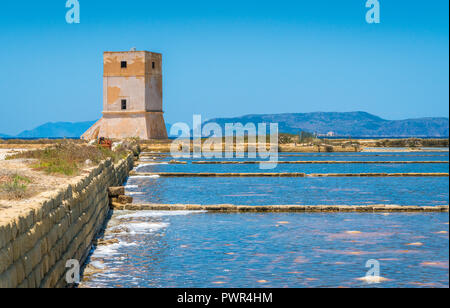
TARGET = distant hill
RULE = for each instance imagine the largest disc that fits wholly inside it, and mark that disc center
(57, 130)
(356, 124)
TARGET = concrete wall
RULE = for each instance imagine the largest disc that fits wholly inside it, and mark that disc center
(140, 83)
(153, 93)
(34, 247)
(132, 89)
(153, 82)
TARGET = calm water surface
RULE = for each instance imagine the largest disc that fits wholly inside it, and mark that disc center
(276, 191)
(150, 165)
(198, 249)
(421, 156)
(185, 249)
(304, 168)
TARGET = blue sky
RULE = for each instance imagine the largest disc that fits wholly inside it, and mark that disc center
(228, 58)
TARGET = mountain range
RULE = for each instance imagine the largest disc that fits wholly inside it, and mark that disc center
(356, 124)
(55, 130)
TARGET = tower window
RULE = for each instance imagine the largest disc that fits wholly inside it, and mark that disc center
(124, 104)
(123, 64)
(153, 65)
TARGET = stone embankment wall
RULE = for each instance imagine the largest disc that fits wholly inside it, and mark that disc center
(35, 247)
(229, 208)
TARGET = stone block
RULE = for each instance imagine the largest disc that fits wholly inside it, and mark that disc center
(116, 191)
(125, 199)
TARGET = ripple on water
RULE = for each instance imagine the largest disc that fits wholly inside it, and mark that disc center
(162, 249)
(198, 249)
(138, 227)
(145, 214)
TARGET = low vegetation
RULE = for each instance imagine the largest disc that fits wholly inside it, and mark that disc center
(413, 143)
(68, 157)
(286, 138)
(13, 186)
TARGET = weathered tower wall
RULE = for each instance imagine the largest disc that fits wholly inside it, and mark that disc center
(132, 97)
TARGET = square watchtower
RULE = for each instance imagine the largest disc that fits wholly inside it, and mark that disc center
(132, 97)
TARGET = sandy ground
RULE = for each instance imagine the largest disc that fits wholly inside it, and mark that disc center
(41, 186)
(5, 152)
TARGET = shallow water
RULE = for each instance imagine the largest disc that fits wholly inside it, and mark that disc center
(276, 191)
(303, 168)
(382, 156)
(199, 249)
(161, 163)
(272, 250)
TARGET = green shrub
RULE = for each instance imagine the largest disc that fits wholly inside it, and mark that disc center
(14, 187)
(329, 149)
(285, 139)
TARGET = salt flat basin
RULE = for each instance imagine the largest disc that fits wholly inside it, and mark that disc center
(197, 249)
(162, 163)
(204, 249)
(422, 191)
(357, 156)
(289, 168)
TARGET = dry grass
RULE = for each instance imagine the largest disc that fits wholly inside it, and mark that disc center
(412, 143)
(68, 157)
(13, 186)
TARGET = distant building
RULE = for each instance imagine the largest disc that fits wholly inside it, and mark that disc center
(132, 97)
(329, 134)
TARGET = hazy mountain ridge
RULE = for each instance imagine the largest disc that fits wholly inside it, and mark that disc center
(356, 124)
(57, 130)
(359, 124)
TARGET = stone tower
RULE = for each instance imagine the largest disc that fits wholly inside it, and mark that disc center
(132, 97)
